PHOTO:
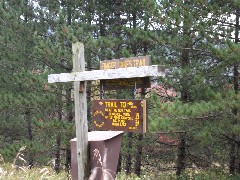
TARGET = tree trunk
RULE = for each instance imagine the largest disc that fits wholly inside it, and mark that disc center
(181, 156)
(238, 159)
(236, 72)
(102, 24)
(30, 135)
(134, 48)
(232, 158)
(138, 162)
(117, 27)
(58, 135)
(119, 166)
(185, 95)
(89, 88)
(57, 154)
(117, 32)
(129, 154)
(68, 159)
(234, 148)
(69, 105)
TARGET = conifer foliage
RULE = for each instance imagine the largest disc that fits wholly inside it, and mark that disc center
(196, 40)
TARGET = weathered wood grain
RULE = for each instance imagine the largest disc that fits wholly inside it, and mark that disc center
(130, 72)
(80, 102)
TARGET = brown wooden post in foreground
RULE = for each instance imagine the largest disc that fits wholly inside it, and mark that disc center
(80, 102)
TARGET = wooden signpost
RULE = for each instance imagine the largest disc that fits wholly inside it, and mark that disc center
(79, 76)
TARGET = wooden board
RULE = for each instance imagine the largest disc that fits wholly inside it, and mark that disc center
(131, 72)
(125, 62)
(113, 84)
(120, 115)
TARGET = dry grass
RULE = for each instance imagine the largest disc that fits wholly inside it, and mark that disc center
(18, 170)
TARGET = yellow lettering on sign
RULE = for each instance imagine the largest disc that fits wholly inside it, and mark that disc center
(115, 124)
(120, 110)
(137, 115)
(107, 110)
(111, 104)
(132, 63)
(98, 125)
(126, 114)
(109, 65)
(125, 64)
(123, 123)
(114, 104)
(119, 114)
(130, 103)
(126, 110)
(137, 123)
(98, 112)
(139, 62)
(123, 104)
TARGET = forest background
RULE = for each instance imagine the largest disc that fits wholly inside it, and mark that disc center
(193, 111)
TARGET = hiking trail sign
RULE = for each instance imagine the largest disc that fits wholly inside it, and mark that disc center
(126, 83)
(79, 76)
(120, 115)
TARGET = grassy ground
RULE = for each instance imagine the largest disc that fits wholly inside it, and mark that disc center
(13, 171)
(188, 175)
(10, 172)
(17, 170)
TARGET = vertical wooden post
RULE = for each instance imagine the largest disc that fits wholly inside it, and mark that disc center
(80, 102)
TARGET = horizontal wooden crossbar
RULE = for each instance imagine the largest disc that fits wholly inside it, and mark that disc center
(130, 72)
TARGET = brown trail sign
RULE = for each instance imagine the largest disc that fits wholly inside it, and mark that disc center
(120, 115)
(79, 76)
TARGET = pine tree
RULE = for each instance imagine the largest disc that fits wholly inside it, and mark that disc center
(230, 9)
(54, 39)
(189, 29)
(22, 79)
